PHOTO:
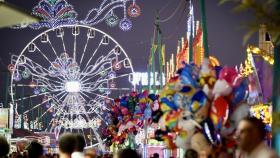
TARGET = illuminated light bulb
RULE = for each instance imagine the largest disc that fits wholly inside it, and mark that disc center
(72, 86)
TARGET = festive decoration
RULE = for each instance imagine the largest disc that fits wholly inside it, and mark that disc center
(128, 116)
(125, 24)
(112, 20)
(53, 13)
(263, 112)
(134, 10)
(75, 86)
(105, 10)
(201, 105)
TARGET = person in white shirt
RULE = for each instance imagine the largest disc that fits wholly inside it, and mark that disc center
(250, 136)
(79, 147)
(66, 145)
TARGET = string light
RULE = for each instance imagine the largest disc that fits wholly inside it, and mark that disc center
(134, 10)
(112, 20)
(263, 112)
(265, 55)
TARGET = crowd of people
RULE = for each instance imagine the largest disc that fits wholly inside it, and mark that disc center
(250, 136)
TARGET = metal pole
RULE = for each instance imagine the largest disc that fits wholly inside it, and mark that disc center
(159, 51)
(204, 27)
(276, 100)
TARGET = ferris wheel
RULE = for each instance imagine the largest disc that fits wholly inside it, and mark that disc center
(64, 78)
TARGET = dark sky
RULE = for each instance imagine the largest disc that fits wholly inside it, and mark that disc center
(224, 33)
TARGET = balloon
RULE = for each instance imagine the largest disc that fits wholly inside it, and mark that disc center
(229, 74)
(148, 112)
(123, 102)
(198, 100)
(156, 115)
(186, 122)
(171, 119)
(159, 134)
(167, 105)
(239, 93)
(221, 88)
(155, 105)
(219, 112)
(153, 97)
(180, 100)
(239, 113)
(206, 68)
(210, 132)
(202, 113)
(187, 77)
(124, 111)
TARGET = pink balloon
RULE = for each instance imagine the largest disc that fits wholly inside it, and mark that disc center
(124, 111)
(229, 74)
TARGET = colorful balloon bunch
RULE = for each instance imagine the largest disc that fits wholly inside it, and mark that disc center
(200, 107)
(127, 116)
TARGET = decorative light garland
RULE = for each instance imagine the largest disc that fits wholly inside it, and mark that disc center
(55, 13)
(263, 112)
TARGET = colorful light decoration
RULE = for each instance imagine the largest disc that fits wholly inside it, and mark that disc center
(112, 20)
(94, 78)
(134, 10)
(263, 112)
(125, 24)
(56, 13)
(265, 55)
(53, 13)
(98, 15)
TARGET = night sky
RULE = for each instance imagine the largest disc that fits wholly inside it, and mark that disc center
(224, 30)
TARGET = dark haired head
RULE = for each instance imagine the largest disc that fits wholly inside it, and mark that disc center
(128, 153)
(35, 150)
(190, 153)
(4, 146)
(258, 125)
(155, 155)
(80, 143)
(67, 143)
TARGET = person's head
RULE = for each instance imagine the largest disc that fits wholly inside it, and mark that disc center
(67, 144)
(4, 146)
(156, 155)
(80, 143)
(35, 150)
(250, 133)
(128, 153)
(89, 155)
(190, 153)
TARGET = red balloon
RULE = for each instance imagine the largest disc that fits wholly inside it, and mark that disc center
(229, 74)
(219, 111)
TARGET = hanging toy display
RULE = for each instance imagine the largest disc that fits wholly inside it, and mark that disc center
(195, 118)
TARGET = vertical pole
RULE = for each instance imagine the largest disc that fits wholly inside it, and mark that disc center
(190, 26)
(276, 100)
(149, 75)
(204, 27)
(6, 87)
(159, 51)
(153, 67)
(21, 108)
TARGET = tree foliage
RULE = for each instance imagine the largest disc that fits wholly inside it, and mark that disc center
(265, 12)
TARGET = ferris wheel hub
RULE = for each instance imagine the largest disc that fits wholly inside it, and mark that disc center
(72, 86)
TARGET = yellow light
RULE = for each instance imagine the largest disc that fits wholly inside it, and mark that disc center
(265, 55)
